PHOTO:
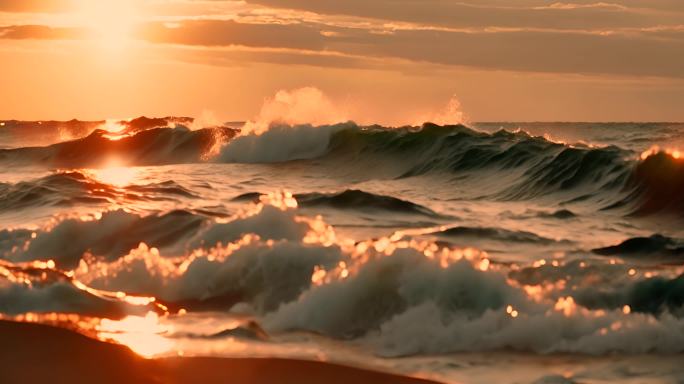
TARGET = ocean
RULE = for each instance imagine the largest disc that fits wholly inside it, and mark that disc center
(492, 252)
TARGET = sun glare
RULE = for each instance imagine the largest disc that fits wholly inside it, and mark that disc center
(143, 335)
(118, 176)
(114, 129)
(113, 126)
(110, 22)
(674, 153)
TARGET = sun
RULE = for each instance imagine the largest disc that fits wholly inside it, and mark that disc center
(110, 23)
(117, 174)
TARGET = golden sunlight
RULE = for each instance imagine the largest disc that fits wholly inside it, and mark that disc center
(118, 176)
(111, 21)
(113, 126)
(654, 150)
(143, 335)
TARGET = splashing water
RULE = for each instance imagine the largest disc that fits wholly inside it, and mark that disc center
(443, 245)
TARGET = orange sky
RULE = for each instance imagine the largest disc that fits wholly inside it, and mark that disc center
(385, 61)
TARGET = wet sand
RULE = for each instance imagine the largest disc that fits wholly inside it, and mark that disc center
(33, 353)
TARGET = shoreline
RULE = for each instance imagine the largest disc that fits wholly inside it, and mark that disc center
(36, 353)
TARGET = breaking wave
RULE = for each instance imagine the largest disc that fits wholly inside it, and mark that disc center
(399, 295)
(15, 133)
(499, 166)
(513, 166)
(153, 146)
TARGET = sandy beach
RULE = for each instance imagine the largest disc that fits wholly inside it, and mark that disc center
(34, 353)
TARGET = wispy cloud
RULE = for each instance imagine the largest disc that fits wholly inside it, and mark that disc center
(637, 51)
(639, 42)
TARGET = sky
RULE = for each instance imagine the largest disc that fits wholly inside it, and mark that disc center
(375, 61)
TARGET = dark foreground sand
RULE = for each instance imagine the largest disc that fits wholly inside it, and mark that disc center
(31, 353)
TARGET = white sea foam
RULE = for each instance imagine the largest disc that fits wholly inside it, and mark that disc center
(398, 297)
(280, 143)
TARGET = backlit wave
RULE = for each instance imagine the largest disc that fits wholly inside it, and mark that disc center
(399, 294)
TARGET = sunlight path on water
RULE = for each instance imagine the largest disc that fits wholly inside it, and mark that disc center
(143, 334)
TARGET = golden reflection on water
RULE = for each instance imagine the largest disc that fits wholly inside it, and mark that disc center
(144, 335)
(674, 153)
(118, 176)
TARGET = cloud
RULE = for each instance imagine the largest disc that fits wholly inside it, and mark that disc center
(20, 32)
(536, 51)
(521, 13)
(578, 6)
(637, 53)
(644, 52)
(35, 5)
(229, 32)
(622, 38)
(236, 56)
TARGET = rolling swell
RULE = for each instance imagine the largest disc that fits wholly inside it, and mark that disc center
(353, 199)
(522, 167)
(507, 166)
(654, 249)
(71, 188)
(496, 234)
(659, 181)
(15, 133)
(62, 188)
(153, 146)
(516, 165)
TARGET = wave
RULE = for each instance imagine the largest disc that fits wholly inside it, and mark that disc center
(63, 188)
(266, 259)
(153, 146)
(501, 166)
(658, 181)
(559, 214)
(353, 199)
(496, 234)
(15, 133)
(653, 249)
(280, 143)
(110, 236)
(72, 188)
(398, 296)
(512, 165)
(37, 287)
(24, 133)
(601, 285)
(406, 304)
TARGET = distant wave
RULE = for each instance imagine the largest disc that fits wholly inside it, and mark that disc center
(16, 133)
(497, 234)
(509, 165)
(149, 147)
(69, 188)
(521, 166)
(354, 200)
(654, 249)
